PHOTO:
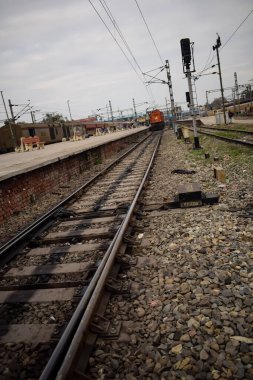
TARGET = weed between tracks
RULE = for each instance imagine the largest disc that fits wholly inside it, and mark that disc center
(242, 155)
(243, 127)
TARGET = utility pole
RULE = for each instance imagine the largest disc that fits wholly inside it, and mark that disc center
(5, 106)
(207, 104)
(237, 92)
(9, 121)
(33, 117)
(187, 55)
(216, 47)
(69, 110)
(135, 113)
(12, 120)
(167, 66)
(110, 106)
(250, 94)
(236, 86)
(233, 96)
(11, 109)
(167, 108)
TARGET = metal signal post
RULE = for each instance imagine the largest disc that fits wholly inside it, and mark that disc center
(187, 54)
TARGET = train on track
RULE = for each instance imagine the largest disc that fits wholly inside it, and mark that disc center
(156, 119)
(239, 109)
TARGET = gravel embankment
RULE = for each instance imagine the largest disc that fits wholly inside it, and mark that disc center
(189, 314)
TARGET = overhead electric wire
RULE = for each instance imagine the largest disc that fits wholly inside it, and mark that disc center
(114, 22)
(116, 26)
(160, 67)
(237, 29)
(149, 92)
(208, 62)
(25, 109)
(117, 43)
(145, 22)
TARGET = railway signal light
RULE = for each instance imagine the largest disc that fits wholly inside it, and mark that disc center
(186, 51)
(188, 99)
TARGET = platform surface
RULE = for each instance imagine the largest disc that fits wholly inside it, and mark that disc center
(12, 164)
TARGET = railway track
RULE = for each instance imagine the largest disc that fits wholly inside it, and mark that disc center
(240, 131)
(248, 142)
(54, 273)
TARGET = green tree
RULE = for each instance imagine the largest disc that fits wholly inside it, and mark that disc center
(51, 117)
(217, 103)
(246, 94)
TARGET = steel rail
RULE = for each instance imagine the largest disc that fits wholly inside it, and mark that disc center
(6, 250)
(226, 129)
(58, 365)
(227, 139)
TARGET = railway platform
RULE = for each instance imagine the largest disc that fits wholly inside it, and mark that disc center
(13, 164)
(210, 120)
(26, 177)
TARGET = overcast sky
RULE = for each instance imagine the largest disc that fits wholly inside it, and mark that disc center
(58, 50)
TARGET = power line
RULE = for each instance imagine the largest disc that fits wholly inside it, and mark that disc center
(237, 29)
(149, 31)
(208, 62)
(117, 28)
(115, 24)
(116, 41)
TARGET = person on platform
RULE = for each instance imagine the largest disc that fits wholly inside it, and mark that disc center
(230, 115)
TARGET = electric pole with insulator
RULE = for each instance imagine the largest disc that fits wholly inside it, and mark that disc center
(167, 67)
(135, 113)
(69, 110)
(187, 55)
(237, 93)
(216, 47)
(12, 121)
(110, 106)
(8, 120)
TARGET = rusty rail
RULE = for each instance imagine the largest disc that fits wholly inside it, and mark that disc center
(63, 357)
(227, 139)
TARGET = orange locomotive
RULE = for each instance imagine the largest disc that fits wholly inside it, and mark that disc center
(156, 119)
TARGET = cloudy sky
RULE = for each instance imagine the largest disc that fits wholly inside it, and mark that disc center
(53, 51)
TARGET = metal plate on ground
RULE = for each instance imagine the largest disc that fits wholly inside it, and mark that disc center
(189, 192)
(190, 204)
(33, 333)
(39, 295)
(48, 269)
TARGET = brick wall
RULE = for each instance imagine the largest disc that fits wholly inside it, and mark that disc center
(26, 189)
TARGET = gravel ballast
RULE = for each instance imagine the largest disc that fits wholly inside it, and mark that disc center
(189, 313)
